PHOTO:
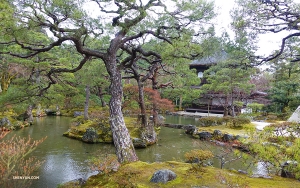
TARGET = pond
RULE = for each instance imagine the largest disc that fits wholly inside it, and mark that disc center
(67, 159)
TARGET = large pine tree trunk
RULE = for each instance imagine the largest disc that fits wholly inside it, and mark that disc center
(124, 148)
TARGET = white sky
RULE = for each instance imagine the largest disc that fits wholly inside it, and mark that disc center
(267, 43)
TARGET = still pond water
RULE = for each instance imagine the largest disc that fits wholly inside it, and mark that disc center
(67, 159)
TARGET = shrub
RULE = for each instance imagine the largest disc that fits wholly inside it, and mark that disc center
(256, 107)
(14, 161)
(198, 156)
(232, 181)
(105, 163)
(236, 122)
(210, 121)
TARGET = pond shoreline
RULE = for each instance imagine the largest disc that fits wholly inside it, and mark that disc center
(259, 125)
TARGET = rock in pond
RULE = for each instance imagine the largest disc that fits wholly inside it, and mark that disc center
(139, 143)
(90, 136)
(163, 176)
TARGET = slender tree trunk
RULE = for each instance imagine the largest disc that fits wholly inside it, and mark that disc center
(100, 94)
(232, 105)
(226, 107)
(141, 102)
(149, 134)
(180, 102)
(86, 103)
(154, 106)
(28, 114)
(124, 148)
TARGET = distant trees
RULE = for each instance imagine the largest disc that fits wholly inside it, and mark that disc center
(284, 93)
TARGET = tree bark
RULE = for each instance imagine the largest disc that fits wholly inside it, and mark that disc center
(180, 102)
(100, 94)
(124, 148)
(28, 114)
(226, 107)
(154, 106)
(6, 78)
(141, 102)
(86, 103)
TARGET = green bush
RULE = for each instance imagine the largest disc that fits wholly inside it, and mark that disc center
(210, 121)
(198, 156)
(104, 163)
(236, 122)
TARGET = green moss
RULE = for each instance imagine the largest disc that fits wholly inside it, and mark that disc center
(138, 174)
(102, 126)
(226, 129)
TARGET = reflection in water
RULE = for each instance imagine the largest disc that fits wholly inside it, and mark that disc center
(67, 159)
(183, 120)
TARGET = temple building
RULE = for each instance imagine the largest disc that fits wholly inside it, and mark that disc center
(215, 102)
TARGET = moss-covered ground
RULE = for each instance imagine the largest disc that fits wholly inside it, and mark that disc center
(138, 174)
(226, 129)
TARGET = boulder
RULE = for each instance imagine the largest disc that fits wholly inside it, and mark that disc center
(205, 135)
(139, 143)
(77, 113)
(77, 183)
(227, 137)
(4, 122)
(217, 134)
(163, 176)
(90, 135)
(286, 169)
(50, 112)
(189, 129)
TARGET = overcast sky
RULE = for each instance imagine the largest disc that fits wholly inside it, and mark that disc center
(267, 42)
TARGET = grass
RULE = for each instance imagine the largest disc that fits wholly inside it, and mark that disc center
(138, 174)
(227, 129)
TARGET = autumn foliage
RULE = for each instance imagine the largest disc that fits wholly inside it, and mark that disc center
(152, 98)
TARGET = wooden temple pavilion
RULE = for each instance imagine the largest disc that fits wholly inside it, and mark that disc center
(214, 102)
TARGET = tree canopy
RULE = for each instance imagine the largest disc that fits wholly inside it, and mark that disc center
(115, 32)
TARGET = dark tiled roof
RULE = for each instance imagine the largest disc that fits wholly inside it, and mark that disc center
(210, 60)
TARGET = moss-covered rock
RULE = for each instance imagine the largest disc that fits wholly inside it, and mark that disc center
(9, 121)
(91, 131)
(98, 131)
